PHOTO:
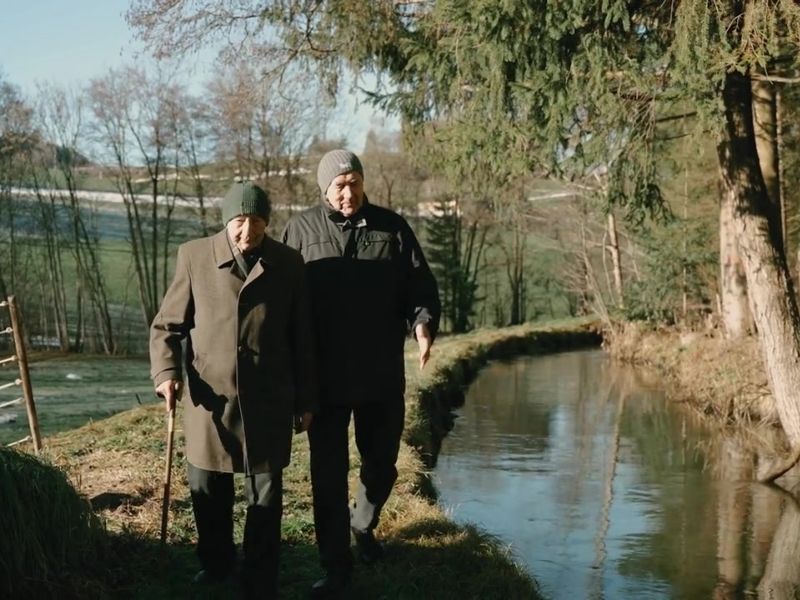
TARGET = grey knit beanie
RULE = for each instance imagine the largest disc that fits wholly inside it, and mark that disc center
(245, 198)
(335, 163)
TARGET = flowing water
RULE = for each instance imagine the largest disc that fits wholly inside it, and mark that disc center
(603, 489)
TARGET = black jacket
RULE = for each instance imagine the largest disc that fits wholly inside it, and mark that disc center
(369, 284)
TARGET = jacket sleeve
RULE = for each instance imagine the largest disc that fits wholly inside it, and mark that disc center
(422, 293)
(290, 236)
(305, 371)
(172, 324)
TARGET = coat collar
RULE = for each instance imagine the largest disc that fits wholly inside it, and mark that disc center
(223, 255)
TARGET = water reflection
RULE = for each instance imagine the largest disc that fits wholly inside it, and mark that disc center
(603, 490)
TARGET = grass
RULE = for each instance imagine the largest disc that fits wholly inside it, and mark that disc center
(721, 382)
(71, 390)
(118, 464)
(49, 531)
(722, 379)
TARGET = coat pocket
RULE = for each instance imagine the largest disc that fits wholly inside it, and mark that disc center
(380, 245)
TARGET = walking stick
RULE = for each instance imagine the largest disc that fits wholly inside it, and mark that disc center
(167, 474)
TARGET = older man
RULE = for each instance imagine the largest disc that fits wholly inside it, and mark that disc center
(369, 285)
(239, 300)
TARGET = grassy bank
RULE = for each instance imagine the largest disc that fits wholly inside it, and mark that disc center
(118, 463)
(722, 379)
(722, 382)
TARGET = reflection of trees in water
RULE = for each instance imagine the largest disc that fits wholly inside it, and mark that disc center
(765, 514)
(524, 425)
(781, 578)
(678, 546)
(583, 414)
(781, 574)
(672, 487)
(597, 415)
(610, 471)
(595, 428)
(733, 468)
(758, 525)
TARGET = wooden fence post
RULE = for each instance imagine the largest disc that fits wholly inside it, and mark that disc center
(22, 358)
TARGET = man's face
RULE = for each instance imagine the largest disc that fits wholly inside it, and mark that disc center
(346, 193)
(246, 232)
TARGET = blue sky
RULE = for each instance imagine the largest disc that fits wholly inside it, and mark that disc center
(62, 41)
(70, 41)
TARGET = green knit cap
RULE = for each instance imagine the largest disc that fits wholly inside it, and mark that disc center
(245, 198)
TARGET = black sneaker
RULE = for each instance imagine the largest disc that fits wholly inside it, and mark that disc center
(370, 550)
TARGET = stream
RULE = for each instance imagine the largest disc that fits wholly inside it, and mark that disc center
(602, 488)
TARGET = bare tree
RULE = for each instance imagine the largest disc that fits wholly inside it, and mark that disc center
(61, 116)
(511, 215)
(194, 140)
(18, 140)
(396, 181)
(262, 122)
(134, 118)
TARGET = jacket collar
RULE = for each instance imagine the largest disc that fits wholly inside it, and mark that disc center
(344, 223)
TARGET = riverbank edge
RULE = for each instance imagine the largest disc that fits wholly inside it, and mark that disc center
(433, 397)
(121, 459)
(722, 381)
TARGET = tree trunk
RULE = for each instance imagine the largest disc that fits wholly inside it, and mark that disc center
(585, 292)
(515, 272)
(770, 290)
(736, 318)
(49, 227)
(613, 250)
(765, 123)
(78, 344)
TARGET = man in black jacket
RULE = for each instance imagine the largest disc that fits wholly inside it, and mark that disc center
(369, 285)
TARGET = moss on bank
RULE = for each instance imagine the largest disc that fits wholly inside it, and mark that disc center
(118, 464)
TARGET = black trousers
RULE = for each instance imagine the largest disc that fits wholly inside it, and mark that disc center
(378, 428)
(212, 501)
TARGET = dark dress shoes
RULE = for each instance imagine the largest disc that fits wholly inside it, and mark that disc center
(207, 577)
(333, 585)
(370, 550)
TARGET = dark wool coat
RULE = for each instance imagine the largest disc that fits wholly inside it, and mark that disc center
(369, 285)
(249, 358)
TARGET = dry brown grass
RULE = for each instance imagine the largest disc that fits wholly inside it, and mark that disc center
(721, 378)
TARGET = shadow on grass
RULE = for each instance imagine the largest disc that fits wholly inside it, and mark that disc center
(143, 569)
(432, 558)
(435, 558)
